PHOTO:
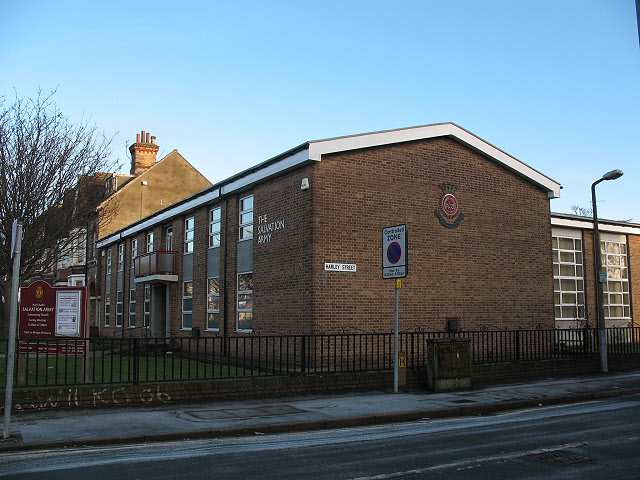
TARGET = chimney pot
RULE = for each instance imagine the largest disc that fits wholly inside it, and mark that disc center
(143, 153)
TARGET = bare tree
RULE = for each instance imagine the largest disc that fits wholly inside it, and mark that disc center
(50, 180)
(582, 211)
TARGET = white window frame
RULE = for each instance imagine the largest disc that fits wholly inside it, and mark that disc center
(149, 237)
(169, 241)
(109, 261)
(616, 291)
(132, 308)
(147, 307)
(119, 307)
(245, 218)
(120, 257)
(134, 248)
(107, 311)
(213, 304)
(215, 221)
(568, 275)
(244, 296)
(189, 233)
(187, 300)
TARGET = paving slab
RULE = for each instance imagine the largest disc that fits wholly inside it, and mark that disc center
(47, 429)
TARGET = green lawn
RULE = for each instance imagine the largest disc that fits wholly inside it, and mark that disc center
(67, 370)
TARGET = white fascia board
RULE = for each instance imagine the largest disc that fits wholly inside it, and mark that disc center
(166, 214)
(587, 224)
(340, 144)
(157, 278)
(275, 168)
(299, 158)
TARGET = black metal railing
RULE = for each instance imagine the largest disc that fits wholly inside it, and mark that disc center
(138, 360)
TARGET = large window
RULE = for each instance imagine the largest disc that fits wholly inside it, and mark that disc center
(246, 217)
(187, 305)
(149, 242)
(568, 278)
(214, 227)
(213, 303)
(132, 308)
(189, 225)
(245, 302)
(617, 302)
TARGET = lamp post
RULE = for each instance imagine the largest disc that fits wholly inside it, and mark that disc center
(601, 276)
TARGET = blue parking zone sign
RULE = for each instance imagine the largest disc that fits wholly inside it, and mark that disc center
(394, 252)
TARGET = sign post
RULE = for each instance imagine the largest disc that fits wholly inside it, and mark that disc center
(395, 265)
(16, 243)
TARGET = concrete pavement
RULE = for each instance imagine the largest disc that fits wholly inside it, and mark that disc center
(56, 429)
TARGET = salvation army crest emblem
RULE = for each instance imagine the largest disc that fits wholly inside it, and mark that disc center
(448, 211)
(39, 294)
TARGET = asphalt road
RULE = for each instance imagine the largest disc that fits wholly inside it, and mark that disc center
(591, 440)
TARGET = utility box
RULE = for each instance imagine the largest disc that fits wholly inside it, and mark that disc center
(448, 364)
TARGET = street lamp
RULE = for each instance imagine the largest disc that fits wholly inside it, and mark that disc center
(601, 276)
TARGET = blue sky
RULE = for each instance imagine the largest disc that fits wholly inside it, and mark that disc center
(229, 84)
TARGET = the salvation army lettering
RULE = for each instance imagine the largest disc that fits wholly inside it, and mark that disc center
(266, 228)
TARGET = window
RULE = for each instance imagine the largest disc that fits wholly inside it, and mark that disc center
(134, 248)
(169, 238)
(121, 257)
(245, 302)
(617, 302)
(107, 311)
(109, 261)
(147, 306)
(119, 307)
(246, 217)
(132, 308)
(568, 278)
(213, 303)
(79, 248)
(214, 227)
(149, 242)
(189, 224)
(111, 185)
(94, 240)
(187, 305)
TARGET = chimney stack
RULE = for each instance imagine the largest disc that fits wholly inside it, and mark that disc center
(143, 153)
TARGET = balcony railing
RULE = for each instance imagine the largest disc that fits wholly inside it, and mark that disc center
(161, 262)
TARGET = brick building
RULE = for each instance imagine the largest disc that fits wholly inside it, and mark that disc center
(249, 254)
(131, 197)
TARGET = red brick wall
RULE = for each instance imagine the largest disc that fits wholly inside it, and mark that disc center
(634, 270)
(494, 270)
(282, 261)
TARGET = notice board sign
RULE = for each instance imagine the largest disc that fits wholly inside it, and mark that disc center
(48, 312)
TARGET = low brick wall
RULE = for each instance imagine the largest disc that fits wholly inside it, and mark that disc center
(491, 373)
(120, 395)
